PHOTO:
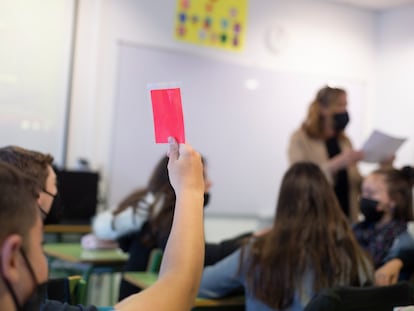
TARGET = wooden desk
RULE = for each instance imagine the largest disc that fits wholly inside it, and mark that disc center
(73, 252)
(83, 229)
(87, 262)
(60, 230)
(146, 279)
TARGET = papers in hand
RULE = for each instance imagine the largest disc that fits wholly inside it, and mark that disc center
(380, 146)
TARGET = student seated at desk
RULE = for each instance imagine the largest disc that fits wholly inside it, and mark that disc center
(38, 166)
(23, 267)
(399, 262)
(386, 204)
(143, 220)
(311, 246)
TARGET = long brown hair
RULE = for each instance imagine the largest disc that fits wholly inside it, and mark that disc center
(327, 97)
(160, 187)
(310, 234)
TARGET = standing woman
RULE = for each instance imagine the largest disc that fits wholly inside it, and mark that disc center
(310, 246)
(387, 205)
(321, 139)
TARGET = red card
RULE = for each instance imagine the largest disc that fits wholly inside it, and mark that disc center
(168, 115)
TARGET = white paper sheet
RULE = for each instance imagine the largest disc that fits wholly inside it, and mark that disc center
(380, 146)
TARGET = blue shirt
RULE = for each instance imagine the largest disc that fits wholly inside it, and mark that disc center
(224, 277)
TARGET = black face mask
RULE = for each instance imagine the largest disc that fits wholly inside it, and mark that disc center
(56, 210)
(35, 301)
(206, 199)
(369, 210)
(341, 120)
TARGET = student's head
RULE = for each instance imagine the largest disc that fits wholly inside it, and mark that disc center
(38, 166)
(159, 197)
(327, 114)
(310, 231)
(387, 195)
(306, 196)
(23, 264)
(159, 186)
(159, 179)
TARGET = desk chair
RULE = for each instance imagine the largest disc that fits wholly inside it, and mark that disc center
(154, 261)
(374, 298)
(71, 289)
(77, 288)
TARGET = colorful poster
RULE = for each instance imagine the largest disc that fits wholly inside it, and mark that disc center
(215, 23)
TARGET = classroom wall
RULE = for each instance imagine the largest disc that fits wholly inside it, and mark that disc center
(34, 73)
(394, 108)
(314, 38)
(318, 39)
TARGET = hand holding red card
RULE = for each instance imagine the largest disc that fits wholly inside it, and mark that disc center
(168, 114)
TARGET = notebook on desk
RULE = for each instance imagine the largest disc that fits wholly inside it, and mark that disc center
(79, 195)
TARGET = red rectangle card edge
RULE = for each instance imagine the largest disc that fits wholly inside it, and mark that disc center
(168, 114)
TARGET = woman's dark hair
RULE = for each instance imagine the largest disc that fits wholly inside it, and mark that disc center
(161, 211)
(159, 186)
(326, 98)
(310, 234)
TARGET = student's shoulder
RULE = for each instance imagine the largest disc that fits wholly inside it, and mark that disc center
(53, 305)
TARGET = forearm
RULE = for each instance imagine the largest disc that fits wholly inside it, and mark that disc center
(184, 254)
(407, 258)
(403, 249)
(182, 263)
(335, 164)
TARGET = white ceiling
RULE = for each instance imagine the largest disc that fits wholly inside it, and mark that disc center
(376, 5)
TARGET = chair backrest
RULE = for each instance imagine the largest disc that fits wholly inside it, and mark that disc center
(154, 261)
(374, 298)
(77, 289)
(71, 289)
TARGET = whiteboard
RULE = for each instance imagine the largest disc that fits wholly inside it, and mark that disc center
(243, 133)
(35, 63)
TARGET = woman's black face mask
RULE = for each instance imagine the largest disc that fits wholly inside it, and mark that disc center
(341, 120)
(369, 210)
